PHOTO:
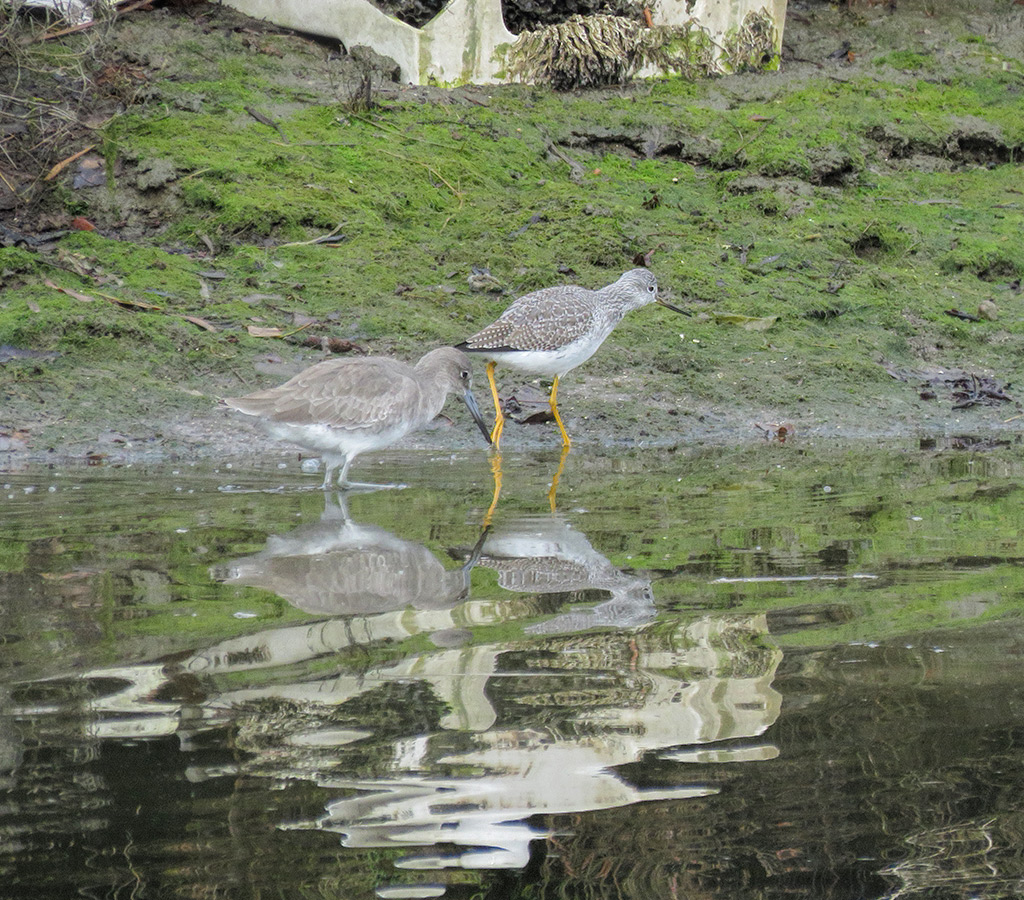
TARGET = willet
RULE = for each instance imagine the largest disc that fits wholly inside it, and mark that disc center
(553, 330)
(340, 408)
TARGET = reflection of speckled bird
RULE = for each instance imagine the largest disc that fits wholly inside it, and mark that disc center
(343, 407)
(547, 555)
(553, 330)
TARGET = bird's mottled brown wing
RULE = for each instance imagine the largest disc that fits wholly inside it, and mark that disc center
(345, 393)
(543, 320)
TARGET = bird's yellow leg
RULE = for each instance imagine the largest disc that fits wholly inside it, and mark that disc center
(499, 418)
(553, 490)
(553, 403)
(496, 472)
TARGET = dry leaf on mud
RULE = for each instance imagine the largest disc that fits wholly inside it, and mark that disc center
(78, 295)
(202, 323)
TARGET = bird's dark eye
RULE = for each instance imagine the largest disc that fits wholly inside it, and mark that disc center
(465, 375)
(651, 288)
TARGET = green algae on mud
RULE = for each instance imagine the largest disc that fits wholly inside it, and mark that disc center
(857, 202)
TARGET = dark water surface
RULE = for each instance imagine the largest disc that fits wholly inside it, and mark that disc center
(780, 671)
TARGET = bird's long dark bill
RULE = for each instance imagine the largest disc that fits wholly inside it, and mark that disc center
(668, 305)
(474, 411)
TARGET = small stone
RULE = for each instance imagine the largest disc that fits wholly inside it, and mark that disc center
(988, 310)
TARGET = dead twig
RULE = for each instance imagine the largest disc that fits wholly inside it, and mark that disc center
(575, 168)
(64, 163)
(266, 120)
(976, 390)
(391, 128)
(960, 314)
(323, 239)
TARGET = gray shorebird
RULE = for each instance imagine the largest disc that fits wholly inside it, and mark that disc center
(553, 330)
(340, 408)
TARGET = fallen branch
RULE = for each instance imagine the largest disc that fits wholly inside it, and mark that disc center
(391, 128)
(575, 169)
(125, 303)
(201, 323)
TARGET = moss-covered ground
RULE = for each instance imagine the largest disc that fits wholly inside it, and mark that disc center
(822, 223)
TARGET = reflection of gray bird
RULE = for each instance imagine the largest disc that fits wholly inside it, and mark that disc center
(545, 555)
(343, 407)
(339, 567)
(553, 330)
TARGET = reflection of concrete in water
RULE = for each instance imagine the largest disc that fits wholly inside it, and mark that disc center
(117, 703)
(458, 676)
(571, 768)
(546, 554)
(340, 567)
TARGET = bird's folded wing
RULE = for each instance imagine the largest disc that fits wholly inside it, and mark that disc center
(544, 320)
(341, 393)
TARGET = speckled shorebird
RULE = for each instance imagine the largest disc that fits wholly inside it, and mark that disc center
(553, 330)
(343, 407)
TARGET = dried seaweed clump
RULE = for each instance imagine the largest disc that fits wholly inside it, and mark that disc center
(754, 46)
(589, 51)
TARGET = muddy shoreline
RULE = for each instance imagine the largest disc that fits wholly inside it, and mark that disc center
(864, 347)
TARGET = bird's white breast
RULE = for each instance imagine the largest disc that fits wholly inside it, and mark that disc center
(553, 362)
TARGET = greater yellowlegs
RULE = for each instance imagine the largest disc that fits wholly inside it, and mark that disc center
(553, 330)
(343, 407)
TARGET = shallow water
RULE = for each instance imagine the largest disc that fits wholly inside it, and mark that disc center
(770, 672)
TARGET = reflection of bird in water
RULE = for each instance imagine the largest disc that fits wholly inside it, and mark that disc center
(343, 407)
(477, 803)
(553, 330)
(546, 554)
(339, 567)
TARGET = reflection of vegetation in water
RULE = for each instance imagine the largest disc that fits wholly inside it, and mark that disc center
(377, 719)
(940, 533)
(731, 647)
(978, 858)
(81, 578)
(894, 759)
